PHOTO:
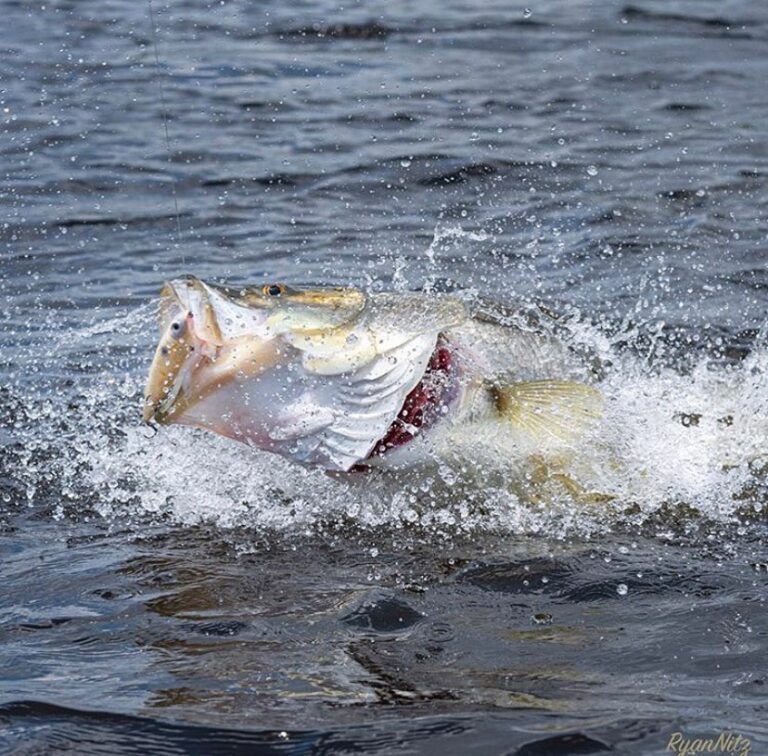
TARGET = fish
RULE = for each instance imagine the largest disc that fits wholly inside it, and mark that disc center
(349, 380)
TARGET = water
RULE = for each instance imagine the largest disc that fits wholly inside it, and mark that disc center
(179, 593)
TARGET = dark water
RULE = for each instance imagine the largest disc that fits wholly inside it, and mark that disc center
(179, 594)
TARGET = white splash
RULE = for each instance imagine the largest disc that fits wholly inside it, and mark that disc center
(667, 438)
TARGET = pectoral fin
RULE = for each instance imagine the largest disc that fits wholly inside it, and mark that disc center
(550, 410)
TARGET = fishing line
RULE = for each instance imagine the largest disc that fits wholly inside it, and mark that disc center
(164, 113)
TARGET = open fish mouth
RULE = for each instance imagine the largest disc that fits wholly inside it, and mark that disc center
(207, 338)
(189, 333)
(323, 376)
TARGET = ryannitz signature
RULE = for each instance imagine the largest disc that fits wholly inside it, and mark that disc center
(726, 742)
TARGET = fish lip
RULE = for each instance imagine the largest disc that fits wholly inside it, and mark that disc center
(161, 412)
(161, 400)
(148, 414)
(154, 413)
(177, 290)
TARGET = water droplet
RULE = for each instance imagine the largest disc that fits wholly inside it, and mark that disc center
(448, 475)
(592, 170)
(527, 13)
(622, 589)
(405, 163)
(128, 388)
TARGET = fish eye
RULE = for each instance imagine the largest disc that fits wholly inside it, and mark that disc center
(274, 290)
(178, 327)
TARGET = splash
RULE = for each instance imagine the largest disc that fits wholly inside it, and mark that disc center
(451, 233)
(673, 444)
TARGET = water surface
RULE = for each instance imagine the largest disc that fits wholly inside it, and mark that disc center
(179, 593)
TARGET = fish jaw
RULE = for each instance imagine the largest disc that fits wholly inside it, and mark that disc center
(206, 371)
(261, 410)
(193, 355)
(178, 352)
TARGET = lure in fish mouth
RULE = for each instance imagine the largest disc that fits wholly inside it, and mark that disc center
(337, 378)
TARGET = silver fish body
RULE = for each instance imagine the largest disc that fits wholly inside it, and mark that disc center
(337, 378)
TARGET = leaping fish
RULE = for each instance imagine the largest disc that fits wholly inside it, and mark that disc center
(345, 380)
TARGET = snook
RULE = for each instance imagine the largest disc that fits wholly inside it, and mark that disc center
(342, 379)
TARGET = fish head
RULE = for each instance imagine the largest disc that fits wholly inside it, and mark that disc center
(213, 336)
(316, 375)
(194, 321)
